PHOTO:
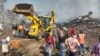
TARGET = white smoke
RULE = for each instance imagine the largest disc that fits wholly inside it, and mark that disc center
(66, 9)
(73, 8)
(86, 5)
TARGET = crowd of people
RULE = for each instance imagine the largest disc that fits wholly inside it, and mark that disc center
(69, 43)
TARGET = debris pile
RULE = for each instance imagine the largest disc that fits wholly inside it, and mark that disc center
(16, 44)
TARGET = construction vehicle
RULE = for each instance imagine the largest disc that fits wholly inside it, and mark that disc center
(40, 24)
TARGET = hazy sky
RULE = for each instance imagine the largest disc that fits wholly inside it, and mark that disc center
(64, 8)
(42, 6)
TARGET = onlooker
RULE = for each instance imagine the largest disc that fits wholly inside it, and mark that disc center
(14, 28)
(61, 32)
(55, 34)
(1, 26)
(50, 42)
(75, 36)
(72, 31)
(96, 48)
(66, 32)
(81, 39)
(62, 49)
(5, 48)
(72, 46)
(61, 36)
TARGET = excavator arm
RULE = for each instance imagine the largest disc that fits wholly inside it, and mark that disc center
(28, 11)
(34, 20)
(40, 24)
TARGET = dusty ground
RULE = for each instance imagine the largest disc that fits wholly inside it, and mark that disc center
(33, 47)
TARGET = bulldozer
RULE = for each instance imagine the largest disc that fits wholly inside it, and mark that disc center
(40, 24)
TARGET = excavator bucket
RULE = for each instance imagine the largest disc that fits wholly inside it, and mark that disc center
(23, 9)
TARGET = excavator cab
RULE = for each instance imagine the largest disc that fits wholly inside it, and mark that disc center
(45, 22)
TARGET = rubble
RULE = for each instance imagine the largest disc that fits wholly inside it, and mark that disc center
(15, 44)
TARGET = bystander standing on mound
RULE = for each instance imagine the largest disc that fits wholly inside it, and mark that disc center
(81, 39)
(5, 48)
(72, 46)
(50, 43)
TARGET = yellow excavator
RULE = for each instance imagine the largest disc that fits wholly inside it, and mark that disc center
(40, 24)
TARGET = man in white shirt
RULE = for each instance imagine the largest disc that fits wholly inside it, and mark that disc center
(72, 45)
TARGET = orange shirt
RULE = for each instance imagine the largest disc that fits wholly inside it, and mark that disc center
(81, 38)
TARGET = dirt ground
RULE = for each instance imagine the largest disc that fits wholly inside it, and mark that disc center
(32, 47)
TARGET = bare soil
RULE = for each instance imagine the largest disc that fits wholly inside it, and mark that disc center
(32, 47)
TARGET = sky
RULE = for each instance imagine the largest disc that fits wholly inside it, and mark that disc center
(42, 6)
(64, 9)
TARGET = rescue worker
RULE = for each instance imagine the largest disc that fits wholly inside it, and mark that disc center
(50, 43)
(14, 28)
(20, 28)
(81, 39)
(72, 46)
(96, 48)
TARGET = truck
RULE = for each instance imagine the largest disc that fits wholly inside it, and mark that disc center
(40, 24)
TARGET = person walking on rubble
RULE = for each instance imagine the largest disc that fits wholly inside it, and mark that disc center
(96, 48)
(50, 43)
(14, 28)
(72, 45)
(81, 39)
(5, 47)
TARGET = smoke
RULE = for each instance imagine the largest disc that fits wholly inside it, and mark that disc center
(66, 9)
(86, 5)
(73, 8)
(9, 17)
